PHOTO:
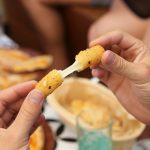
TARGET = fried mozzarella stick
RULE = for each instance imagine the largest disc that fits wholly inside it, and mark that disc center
(50, 82)
(89, 57)
(83, 60)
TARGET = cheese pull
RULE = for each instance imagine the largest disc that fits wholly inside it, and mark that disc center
(83, 60)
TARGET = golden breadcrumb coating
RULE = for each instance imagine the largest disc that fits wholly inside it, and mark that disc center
(32, 64)
(50, 82)
(84, 60)
(89, 57)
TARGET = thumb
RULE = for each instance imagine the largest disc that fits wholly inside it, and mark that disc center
(29, 113)
(116, 64)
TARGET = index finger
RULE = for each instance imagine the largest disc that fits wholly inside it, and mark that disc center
(17, 92)
(122, 39)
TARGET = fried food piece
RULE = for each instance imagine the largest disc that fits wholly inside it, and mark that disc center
(37, 139)
(89, 57)
(33, 64)
(13, 54)
(8, 79)
(20, 62)
(50, 82)
(84, 60)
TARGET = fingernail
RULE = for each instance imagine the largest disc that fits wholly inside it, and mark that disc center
(36, 96)
(110, 59)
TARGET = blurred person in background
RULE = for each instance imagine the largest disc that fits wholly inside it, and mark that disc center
(132, 16)
(48, 24)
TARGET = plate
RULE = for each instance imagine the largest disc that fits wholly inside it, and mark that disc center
(49, 137)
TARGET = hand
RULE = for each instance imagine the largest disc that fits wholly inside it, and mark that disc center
(19, 115)
(125, 68)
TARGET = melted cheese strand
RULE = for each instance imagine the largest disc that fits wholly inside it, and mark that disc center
(69, 70)
(84, 60)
